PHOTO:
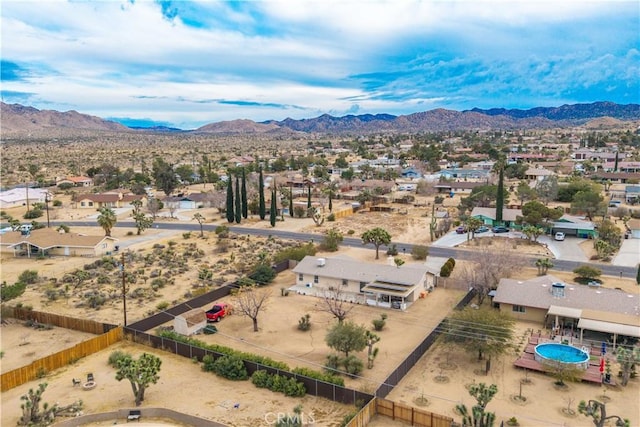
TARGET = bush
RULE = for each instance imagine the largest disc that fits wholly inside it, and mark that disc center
(222, 231)
(229, 367)
(9, 292)
(278, 383)
(57, 203)
(587, 272)
(115, 356)
(299, 212)
(378, 324)
(65, 186)
(304, 324)
(33, 213)
(393, 250)
(331, 217)
(445, 270)
(186, 235)
(419, 252)
(438, 199)
(352, 365)
(263, 274)
(321, 376)
(296, 253)
(162, 305)
(28, 277)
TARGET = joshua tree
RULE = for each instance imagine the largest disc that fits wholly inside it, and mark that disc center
(478, 416)
(378, 236)
(543, 265)
(627, 358)
(141, 373)
(598, 413)
(198, 217)
(372, 339)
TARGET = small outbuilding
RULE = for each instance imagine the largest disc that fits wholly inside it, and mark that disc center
(190, 322)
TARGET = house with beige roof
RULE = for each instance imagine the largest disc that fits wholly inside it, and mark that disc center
(48, 242)
(381, 285)
(579, 309)
(76, 181)
(112, 200)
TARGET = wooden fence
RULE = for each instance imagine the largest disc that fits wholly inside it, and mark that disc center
(57, 360)
(364, 415)
(412, 416)
(82, 325)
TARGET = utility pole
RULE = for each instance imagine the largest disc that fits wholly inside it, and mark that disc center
(124, 291)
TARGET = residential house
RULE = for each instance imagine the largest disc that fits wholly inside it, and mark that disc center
(632, 194)
(410, 173)
(574, 226)
(17, 197)
(537, 174)
(112, 200)
(616, 177)
(191, 322)
(363, 283)
(76, 181)
(189, 201)
(488, 216)
(570, 309)
(48, 242)
(457, 187)
(462, 173)
(628, 167)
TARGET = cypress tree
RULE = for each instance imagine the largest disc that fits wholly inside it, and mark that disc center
(291, 201)
(230, 214)
(272, 213)
(638, 275)
(243, 194)
(615, 166)
(309, 196)
(500, 196)
(330, 200)
(238, 211)
(262, 210)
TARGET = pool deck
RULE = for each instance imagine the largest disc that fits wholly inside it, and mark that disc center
(527, 360)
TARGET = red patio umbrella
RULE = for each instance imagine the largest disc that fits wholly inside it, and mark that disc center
(602, 365)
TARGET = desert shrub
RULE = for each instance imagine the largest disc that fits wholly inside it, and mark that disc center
(296, 253)
(586, 273)
(222, 231)
(9, 292)
(321, 376)
(186, 235)
(57, 203)
(230, 367)
(65, 186)
(28, 277)
(351, 232)
(419, 252)
(158, 283)
(299, 212)
(163, 305)
(115, 356)
(378, 324)
(445, 270)
(304, 324)
(205, 274)
(333, 363)
(95, 299)
(33, 213)
(392, 250)
(438, 199)
(331, 217)
(352, 365)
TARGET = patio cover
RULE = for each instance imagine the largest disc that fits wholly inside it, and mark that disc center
(610, 327)
(389, 289)
(556, 310)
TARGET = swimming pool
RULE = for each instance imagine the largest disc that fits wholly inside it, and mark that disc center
(562, 353)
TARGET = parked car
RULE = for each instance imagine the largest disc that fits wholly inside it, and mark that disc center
(559, 236)
(218, 311)
(461, 229)
(500, 229)
(482, 229)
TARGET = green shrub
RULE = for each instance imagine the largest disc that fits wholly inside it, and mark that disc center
(65, 186)
(57, 203)
(392, 250)
(333, 363)
(331, 217)
(230, 367)
(351, 232)
(263, 274)
(162, 305)
(378, 324)
(115, 356)
(9, 292)
(222, 231)
(445, 270)
(352, 365)
(33, 213)
(296, 253)
(321, 376)
(278, 383)
(28, 277)
(186, 235)
(419, 252)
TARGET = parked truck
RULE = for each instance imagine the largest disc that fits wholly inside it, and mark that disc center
(218, 311)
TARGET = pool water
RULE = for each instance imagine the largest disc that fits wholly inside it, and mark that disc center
(562, 353)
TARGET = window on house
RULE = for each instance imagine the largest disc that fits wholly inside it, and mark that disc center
(362, 285)
(518, 308)
(301, 277)
(345, 282)
(82, 203)
(90, 203)
(316, 279)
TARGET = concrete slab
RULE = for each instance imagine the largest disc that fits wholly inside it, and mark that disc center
(629, 253)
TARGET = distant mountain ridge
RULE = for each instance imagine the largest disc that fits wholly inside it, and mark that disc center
(18, 120)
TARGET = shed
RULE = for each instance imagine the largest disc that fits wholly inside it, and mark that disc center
(190, 322)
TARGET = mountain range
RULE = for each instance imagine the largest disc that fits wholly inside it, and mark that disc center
(18, 120)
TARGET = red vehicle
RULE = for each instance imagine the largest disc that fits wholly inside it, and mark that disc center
(218, 311)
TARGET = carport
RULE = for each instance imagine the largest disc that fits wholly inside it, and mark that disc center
(583, 230)
(565, 313)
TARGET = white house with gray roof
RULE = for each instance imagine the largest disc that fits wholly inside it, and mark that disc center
(363, 283)
(568, 306)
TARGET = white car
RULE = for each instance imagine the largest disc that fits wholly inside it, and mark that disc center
(559, 236)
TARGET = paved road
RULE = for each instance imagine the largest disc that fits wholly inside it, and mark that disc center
(436, 250)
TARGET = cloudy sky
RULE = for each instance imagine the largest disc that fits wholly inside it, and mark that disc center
(188, 63)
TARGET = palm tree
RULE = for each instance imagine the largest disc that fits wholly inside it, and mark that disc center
(107, 220)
